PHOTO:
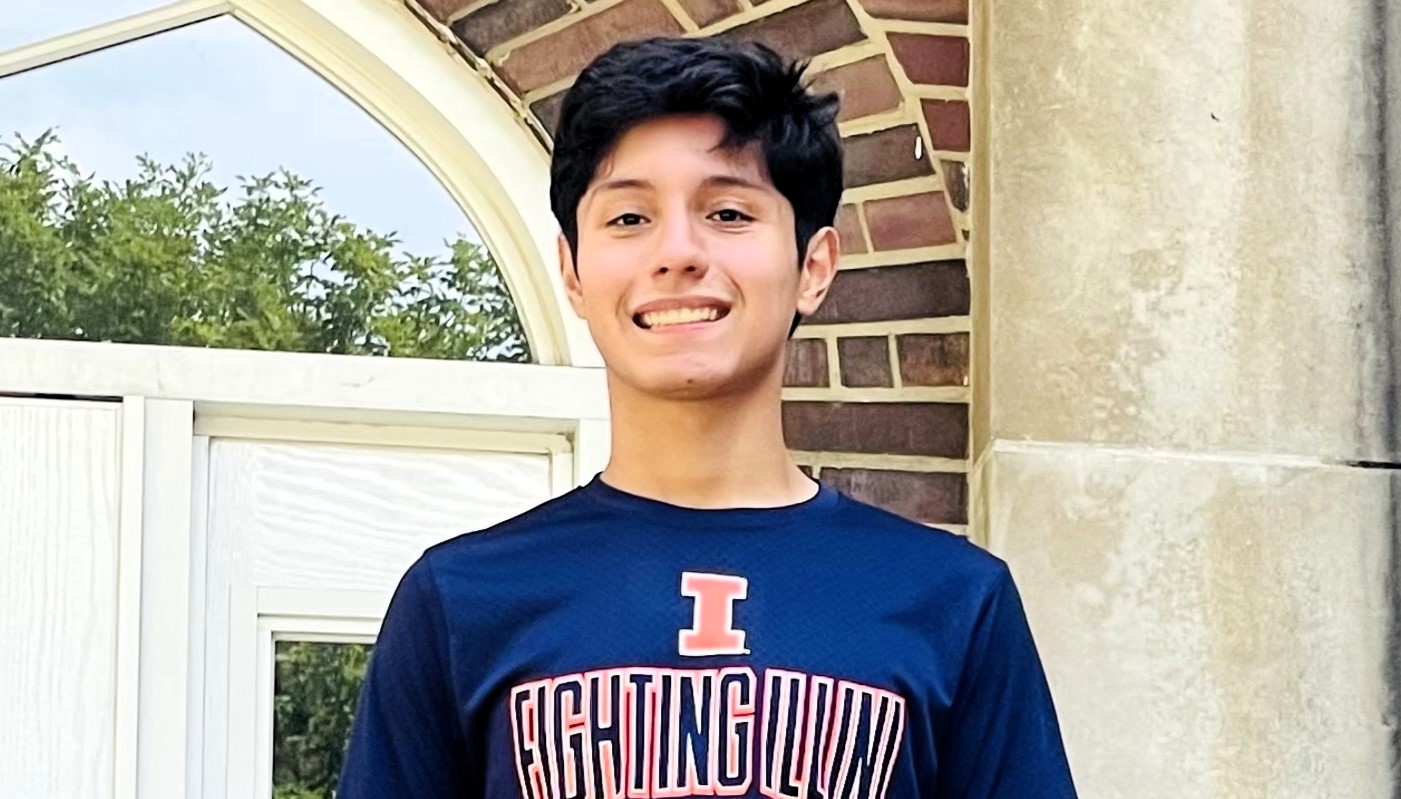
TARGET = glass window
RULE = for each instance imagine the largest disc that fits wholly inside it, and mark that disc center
(315, 688)
(203, 188)
(26, 21)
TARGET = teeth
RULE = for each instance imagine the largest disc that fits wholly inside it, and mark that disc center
(680, 316)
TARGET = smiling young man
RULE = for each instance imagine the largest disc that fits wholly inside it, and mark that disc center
(702, 619)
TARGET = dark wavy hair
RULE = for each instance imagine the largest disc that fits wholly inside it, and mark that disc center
(759, 96)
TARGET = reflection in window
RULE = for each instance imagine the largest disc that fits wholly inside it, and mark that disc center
(315, 689)
(202, 188)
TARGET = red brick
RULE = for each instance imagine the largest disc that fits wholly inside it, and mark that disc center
(878, 428)
(807, 363)
(865, 88)
(926, 497)
(504, 20)
(848, 227)
(864, 362)
(804, 30)
(913, 220)
(932, 60)
(928, 359)
(949, 126)
(707, 12)
(886, 293)
(547, 111)
(884, 156)
(956, 183)
(919, 10)
(565, 52)
(442, 9)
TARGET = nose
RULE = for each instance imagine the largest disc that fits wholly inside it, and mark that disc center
(681, 249)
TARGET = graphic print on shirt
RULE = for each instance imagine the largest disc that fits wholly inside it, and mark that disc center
(712, 631)
(625, 732)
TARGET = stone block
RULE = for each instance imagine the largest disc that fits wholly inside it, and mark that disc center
(1186, 237)
(1211, 628)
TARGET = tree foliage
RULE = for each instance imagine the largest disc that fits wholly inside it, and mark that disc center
(168, 257)
(317, 685)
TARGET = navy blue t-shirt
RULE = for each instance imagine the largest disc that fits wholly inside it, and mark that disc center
(609, 645)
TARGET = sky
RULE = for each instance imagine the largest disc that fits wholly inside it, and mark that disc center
(221, 89)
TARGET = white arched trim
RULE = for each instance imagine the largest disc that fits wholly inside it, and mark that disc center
(385, 59)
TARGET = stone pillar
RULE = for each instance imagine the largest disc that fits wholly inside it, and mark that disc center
(1185, 384)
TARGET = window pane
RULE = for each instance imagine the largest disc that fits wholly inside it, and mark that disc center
(203, 188)
(315, 689)
(27, 21)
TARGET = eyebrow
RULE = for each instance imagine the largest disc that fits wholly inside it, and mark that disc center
(714, 181)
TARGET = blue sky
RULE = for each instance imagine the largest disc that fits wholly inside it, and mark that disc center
(221, 89)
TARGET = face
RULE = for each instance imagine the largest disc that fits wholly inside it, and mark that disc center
(686, 270)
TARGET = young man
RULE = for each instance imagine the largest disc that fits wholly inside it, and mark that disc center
(702, 619)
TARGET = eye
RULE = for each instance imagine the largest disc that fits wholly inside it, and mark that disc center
(626, 220)
(731, 216)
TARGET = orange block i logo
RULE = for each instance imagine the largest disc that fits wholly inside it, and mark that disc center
(713, 623)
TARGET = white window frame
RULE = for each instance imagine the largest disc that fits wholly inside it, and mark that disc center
(340, 617)
(393, 65)
(387, 59)
(174, 399)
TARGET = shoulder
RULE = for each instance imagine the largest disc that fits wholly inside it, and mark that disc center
(551, 517)
(519, 545)
(929, 554)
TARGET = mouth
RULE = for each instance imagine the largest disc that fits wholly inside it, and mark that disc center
(675, 317)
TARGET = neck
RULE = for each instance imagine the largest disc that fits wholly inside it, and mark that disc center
(713, 453)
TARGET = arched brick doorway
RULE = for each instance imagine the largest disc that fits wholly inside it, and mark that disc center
(877, 398)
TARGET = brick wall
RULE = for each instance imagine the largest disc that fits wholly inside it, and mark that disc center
(877, 383)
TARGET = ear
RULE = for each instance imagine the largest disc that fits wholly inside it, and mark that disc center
(819, 269)
(569, 272)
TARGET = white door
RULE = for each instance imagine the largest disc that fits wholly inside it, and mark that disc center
(156, 547)
(306, 541)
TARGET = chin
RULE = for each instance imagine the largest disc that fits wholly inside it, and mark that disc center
(686, 386)
(717, 381)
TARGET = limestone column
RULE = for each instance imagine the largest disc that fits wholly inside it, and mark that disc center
(1185, 383)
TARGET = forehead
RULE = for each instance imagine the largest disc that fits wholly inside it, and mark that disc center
(680, 147)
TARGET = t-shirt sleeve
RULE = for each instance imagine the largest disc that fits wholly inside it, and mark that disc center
(406, 740)
(1001, 738)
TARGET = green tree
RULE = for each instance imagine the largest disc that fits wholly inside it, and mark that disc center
(317, 685)
(170, 258)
